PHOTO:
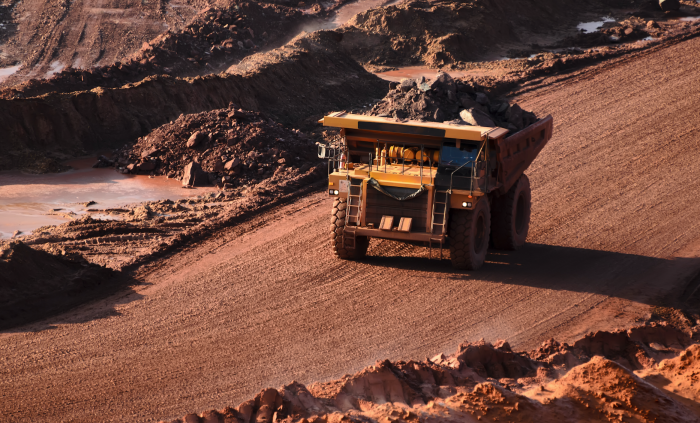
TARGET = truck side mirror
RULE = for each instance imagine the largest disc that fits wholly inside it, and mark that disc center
(325, 152)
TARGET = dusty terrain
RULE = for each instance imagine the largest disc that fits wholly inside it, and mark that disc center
(233, 51)
(591, 380)
(237, 291)
(196, 334)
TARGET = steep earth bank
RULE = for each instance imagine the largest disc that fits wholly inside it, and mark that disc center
(644, 374)
(214, 38)
(306, 78)
(440, 33)
(44, 37)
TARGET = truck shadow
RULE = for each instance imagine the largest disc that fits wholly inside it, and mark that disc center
(650, 280)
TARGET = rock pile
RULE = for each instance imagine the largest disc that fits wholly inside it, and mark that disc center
(444, 99)
(488, 382)
(225, 147)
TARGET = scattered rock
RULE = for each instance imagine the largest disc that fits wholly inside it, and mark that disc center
(103, 161)
(669, 5)
(476, 117)
(194, 176)
(196, 139)
(232, 164)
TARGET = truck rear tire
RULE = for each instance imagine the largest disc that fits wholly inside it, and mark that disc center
(341, 246)
(469, 236)
(511, 216)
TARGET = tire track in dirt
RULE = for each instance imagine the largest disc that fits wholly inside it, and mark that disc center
(613, 230)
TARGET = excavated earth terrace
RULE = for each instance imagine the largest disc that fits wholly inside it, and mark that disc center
(223, 99)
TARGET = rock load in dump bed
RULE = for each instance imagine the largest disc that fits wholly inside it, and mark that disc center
(225, 147)
(444, 99)
(491, 383)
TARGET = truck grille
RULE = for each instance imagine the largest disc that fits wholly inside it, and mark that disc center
(378, 205)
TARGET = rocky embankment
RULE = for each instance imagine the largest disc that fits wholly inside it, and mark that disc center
(225, 147)
(648, 373)
(292, 85)
(215, 38)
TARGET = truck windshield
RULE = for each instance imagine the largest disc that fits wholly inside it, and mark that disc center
(450, 155)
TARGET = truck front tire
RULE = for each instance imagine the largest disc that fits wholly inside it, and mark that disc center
(511, 216)
(342, 247)
(469, 236)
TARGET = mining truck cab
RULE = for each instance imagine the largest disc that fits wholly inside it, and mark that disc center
(437, 184)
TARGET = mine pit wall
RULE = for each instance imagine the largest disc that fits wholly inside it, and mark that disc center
(311, 81)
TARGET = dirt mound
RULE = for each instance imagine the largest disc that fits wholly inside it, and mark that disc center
(62, 34)
(444, 99)
(214, 39)
(227, 147)
(35, 284)
(440, 33)
(485, 383)
(291, 85)
(680, 375)
(603, 390)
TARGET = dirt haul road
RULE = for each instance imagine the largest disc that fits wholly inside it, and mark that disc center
(614, 231)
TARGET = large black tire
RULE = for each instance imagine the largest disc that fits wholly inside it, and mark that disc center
(469, 236)
(342, 247)
(511, 216)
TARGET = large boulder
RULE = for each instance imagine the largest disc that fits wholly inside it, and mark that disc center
(196, 139)
(444, 82)
(668, 5)
(476, 117)
(232, 164)
(467, 102)
(194, 176)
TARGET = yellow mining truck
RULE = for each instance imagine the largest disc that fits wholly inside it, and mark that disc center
(436, 184)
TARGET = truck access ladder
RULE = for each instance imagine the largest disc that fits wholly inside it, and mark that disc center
(353, 211)
(438, 223)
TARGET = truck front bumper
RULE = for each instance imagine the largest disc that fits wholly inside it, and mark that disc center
(399, 236)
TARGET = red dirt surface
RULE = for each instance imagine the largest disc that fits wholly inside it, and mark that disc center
(613, 235)
(306, 78)
(35, 283)
(481, 382)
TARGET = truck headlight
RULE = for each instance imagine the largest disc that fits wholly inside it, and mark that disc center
(332, 192)
(465, 204)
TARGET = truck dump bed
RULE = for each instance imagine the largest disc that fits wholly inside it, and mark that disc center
(516, 152)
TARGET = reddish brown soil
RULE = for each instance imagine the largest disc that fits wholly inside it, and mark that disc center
(233, 148)
(209, 43)
(614, 234)
(40, 33)
(35, 283)
(486, 383)
(441, 33)
(190, 37)
(292, 85)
